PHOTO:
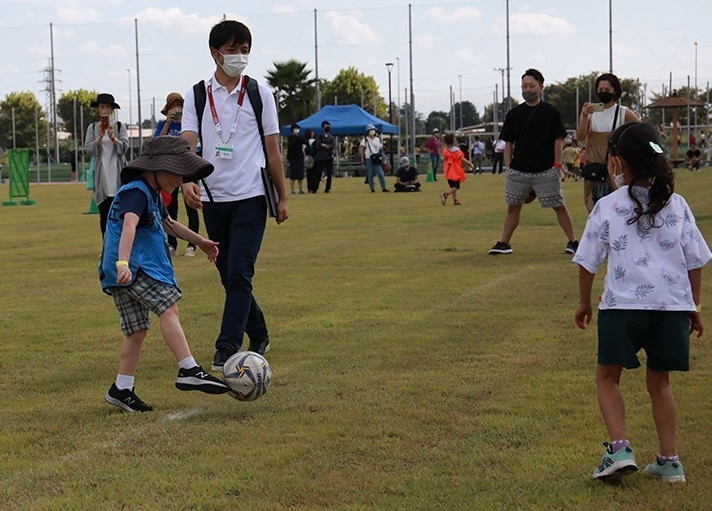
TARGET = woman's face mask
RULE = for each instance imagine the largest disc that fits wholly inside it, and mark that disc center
(605, 96)
(371, 133)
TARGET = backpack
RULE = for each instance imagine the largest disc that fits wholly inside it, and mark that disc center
(253, 94)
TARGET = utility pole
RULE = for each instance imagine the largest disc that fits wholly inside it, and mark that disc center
(316, 67)
(460, 77)
(502, 70)
(128, 128)
(54, 96)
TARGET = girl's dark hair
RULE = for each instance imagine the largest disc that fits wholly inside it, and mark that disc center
(229, 31)
(639, 145)
(308, 133)
(449, 138)
(615, 83)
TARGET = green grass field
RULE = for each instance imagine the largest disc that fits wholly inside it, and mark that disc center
(412, 371)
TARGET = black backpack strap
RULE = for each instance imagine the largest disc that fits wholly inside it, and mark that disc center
(253, 93)
(200, 99)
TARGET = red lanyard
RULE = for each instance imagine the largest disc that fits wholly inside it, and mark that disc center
(213, 111)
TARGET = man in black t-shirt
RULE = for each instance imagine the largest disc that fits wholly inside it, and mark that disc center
(694, 157)
(534, 136)
(324, 144)
(407, 177)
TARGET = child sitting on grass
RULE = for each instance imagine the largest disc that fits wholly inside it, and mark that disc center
(651, 293)
(135, 266)
(452, 169)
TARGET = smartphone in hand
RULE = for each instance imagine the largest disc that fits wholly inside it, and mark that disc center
(104, 123)
(597, 107)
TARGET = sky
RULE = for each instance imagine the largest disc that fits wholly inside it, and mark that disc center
(455, 44)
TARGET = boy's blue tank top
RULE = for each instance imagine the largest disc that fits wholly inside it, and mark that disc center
(149, 252)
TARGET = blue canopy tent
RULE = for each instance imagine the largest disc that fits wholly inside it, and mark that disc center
(344, 120)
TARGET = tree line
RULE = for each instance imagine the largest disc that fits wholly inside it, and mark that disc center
(295, 89)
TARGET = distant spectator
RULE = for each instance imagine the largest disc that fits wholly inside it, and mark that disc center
(693, 158)
(324, 158)
(407, 177)
(571, 158)
(171, 126)
(371, 153)
(489, 148)
(498, 156)
(477, 153)
(295, 156)
(432, 145)
(73, 165)
(107, 142)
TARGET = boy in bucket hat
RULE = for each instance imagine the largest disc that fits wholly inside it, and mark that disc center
(135, 266)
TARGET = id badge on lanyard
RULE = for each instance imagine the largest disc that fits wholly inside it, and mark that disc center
(224, 150)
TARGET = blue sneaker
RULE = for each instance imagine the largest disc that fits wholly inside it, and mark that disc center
(670, 472)
(616, 464)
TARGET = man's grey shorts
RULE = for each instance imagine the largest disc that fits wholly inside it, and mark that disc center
(546, 185)
(135, 302)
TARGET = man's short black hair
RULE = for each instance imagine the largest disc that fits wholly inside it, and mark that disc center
(534, 74)
(229, 31)
(325, 123)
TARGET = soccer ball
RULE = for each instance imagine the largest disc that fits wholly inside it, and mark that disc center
(248, 375)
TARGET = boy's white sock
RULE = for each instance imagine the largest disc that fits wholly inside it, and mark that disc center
(124, 382)
(187, 363)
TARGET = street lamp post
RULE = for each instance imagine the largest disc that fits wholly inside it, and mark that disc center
(501, 70)
(460, 77)
(398, 103)
(389, 67)
(128, 128)
(695, 96)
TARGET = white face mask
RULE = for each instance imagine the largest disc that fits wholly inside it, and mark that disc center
(295, 131)
(234, 64)
(371, 133)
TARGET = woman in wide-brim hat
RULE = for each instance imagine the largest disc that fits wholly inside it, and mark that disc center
(107, 142)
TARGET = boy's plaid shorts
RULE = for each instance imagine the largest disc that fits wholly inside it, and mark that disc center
(135, 302)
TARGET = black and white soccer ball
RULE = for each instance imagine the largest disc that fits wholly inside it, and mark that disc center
(248, 375)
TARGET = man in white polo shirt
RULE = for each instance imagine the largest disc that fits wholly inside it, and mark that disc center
(233, 196)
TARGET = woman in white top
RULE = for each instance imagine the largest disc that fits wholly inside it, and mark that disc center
(106, 141)
(595, 127)
(370, 150)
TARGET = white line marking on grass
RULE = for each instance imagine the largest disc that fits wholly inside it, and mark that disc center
(184, 414)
